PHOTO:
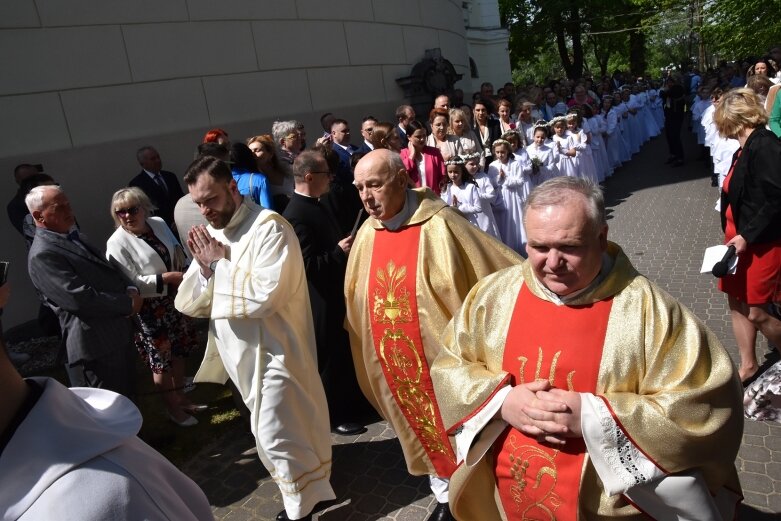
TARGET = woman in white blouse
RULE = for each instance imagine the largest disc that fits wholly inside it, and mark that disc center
(145, 249)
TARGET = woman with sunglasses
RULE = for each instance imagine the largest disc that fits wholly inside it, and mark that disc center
(145, 249)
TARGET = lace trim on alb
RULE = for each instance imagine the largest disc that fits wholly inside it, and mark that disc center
(623, 457)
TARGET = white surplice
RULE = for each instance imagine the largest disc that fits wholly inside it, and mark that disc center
(261, 336)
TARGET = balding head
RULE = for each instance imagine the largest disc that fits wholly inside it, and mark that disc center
(442, 102)
(381, 180)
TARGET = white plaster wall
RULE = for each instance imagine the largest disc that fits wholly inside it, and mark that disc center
(86, 82)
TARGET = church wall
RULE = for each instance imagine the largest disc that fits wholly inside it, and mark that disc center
(87, 82)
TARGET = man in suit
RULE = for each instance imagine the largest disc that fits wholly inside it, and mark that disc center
(367, 127)
(325, 251)
(404, 115)
(92, 300)
(340, 138)
(162, 187)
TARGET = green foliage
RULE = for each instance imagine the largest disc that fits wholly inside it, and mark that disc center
(740, 28)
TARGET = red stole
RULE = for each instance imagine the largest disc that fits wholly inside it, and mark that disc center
(562, 344)
(393, 308)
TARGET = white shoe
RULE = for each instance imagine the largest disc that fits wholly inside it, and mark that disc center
(187, 422)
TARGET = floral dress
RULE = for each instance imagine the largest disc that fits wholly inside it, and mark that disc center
(164, 331)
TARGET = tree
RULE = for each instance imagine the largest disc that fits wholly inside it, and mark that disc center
(741, 28)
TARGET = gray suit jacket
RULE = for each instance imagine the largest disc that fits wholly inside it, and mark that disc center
(88, 294)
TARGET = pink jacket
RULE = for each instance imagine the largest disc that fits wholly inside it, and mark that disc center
(435, 168)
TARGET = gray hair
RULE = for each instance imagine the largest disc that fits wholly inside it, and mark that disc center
(282, 129)
(34, 198)
(143, 150)
(560, 190)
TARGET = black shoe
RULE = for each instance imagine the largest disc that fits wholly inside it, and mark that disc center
(322, 505)
(678, 162)
(441, 513)
(282, 516)
(714, 180)
(670, 160)
(349, 429)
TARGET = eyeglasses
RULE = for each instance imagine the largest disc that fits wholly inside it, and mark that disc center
(127, 211)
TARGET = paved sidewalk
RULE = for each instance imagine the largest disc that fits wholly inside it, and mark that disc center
(664, 219)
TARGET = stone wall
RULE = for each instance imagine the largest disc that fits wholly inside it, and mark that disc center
(84, 83)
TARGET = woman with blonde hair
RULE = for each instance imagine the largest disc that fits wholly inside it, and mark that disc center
(751, 220)
(466, 140)
(147, 252)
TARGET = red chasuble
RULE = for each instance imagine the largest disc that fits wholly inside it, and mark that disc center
(393, 309)
(562, 344)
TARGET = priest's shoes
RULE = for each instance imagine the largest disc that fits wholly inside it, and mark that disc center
(322, 505)
(349, 429)
(441, 513)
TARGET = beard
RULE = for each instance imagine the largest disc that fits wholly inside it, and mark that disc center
(224, 216)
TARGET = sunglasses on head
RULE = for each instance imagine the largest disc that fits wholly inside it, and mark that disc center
(127, 211)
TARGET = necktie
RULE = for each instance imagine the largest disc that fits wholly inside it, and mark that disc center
(161, 183)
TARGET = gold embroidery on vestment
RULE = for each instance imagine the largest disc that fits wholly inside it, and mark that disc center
(400, 356)
(521, 457)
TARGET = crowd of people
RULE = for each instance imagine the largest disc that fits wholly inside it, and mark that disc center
(329, 272)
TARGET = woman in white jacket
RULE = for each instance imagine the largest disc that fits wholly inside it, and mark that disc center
(145, 249)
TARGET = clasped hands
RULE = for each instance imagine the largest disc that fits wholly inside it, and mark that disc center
(205, 248)
(543, 412)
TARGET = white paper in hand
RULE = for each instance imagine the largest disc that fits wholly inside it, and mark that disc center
(713, 255)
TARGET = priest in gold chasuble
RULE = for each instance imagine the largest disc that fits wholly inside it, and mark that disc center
(411, 265)
(577, 389)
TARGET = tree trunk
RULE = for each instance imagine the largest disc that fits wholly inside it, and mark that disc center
(637, 63)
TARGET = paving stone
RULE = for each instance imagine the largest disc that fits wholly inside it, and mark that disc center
(758, 483)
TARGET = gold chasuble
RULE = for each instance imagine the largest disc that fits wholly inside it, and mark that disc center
(402, 287)
(564, 346)
(672, 399)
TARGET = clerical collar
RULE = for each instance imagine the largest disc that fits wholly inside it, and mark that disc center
(306, 195)
(395, 222)
(561, 300)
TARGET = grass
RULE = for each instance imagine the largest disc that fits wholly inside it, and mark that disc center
(178, 444)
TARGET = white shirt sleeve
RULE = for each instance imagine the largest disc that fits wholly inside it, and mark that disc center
(479, 432)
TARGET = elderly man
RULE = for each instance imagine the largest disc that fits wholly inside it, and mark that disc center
(577, 389)
(248, 279)
(92, 300)
(414, 254)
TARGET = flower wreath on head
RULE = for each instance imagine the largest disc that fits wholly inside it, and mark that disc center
(455, 160)
(469, 157)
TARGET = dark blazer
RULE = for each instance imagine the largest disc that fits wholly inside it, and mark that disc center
(754, 191)
(363, 149)
(494, 133)
(403, 136)
(325, 263)
(165, 203)
(87, 293)
(344, 174)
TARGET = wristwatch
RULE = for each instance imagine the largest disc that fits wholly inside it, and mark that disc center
(213, 265)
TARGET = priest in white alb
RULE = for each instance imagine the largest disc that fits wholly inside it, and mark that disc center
(248, 279)
(578, 389)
